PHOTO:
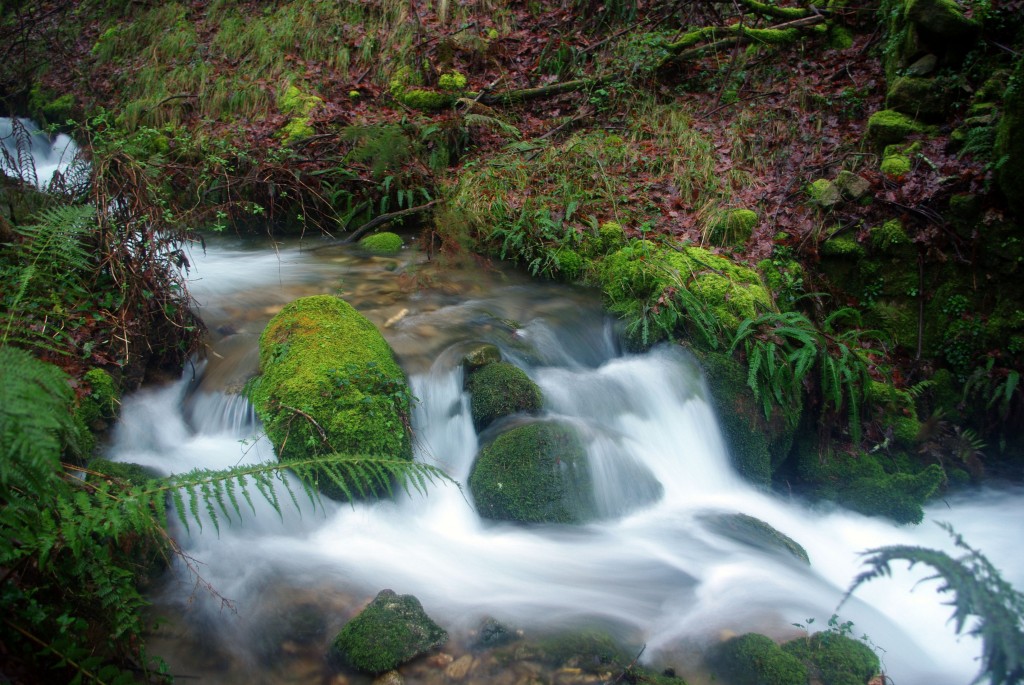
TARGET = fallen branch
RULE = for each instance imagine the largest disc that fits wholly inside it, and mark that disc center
(374, 223)
(525, 94)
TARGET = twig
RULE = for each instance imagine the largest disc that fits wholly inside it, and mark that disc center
(375, 222)
(631, 665)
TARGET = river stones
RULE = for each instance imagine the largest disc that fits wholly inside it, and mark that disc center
(392, 630)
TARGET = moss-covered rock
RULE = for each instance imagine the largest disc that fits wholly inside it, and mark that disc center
(756, 533)
(501, 389)
(392, 630)
(843, 246)
(755, 659)
(918, 97)
(852, 186)
(480, 356)
(129, 472)
(824, 193)
(570, 264)
(888, 126)
(835, 659)
(895, 166)
(382, 243)
(537, 473)
(297, 105)
(941, 21)
(860, 482)
(99, 406)
(756, 446)
(329, 384)
(643, 274)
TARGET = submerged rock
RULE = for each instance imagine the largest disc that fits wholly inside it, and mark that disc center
(536, 473)
(835, 659)
(389, 632)
(756, 533)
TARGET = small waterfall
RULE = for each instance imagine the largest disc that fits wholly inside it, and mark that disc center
(49, 154)
(651, 568)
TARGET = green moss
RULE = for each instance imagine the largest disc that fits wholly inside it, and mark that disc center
(46, 107)
(824, 193)
(322, 361)
(835, 659)
(888, 126)
(895, 166)
(570, 264)
(130, 473)
(755, 659)
(756, 533)
(392, 630)
(100, 404)
(610, 237)
(889, 235)
(481, 356)
(733, 228)
(922, 98)
(536, 473)
(452, 82)
(839, 38)
(843, 246)
(859, 482)
(384, 242)
(501, 389)
(298, 105)
(589, 650)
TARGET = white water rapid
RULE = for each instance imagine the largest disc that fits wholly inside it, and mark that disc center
(651, 570)
(49, 154)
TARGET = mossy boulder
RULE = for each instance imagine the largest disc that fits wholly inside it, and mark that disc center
(824, 193)
(942, 21)
(860, 482)
(329, 384)
(889, 236)
(843, 246)
(851, 186)
(392, 630)
(642, 274)
(888, 126)
(382, 243)
(297, 105)
(755, 659)
(1009, 145)
(754, 532)
(835, 659)
(919, 97)
(99, 406)
(501, 389)
(571, 265)
(536, 473)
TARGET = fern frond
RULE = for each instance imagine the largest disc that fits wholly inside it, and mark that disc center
(978, 590)
(493, 123)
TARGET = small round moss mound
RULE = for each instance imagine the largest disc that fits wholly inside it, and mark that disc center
(501, 389)
(389, 632)
(755, 659)
(733, 228)
(536, 473)
(570, 263)
(888, 126)
(480, 356)
(835, 659)
(329, 384)
(384, 242)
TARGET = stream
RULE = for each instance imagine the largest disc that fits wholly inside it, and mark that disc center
(651, 571)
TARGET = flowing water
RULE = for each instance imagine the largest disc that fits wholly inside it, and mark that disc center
(49, 154)
(651, 571)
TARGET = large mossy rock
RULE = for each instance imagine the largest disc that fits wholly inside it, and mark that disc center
(835, 659)
(708, 287)
(329, 384)
(392, 630)
(755, 659)
(500, 389)
(536, 473)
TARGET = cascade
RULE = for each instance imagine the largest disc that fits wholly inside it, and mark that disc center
(50, 155)
(651, 569)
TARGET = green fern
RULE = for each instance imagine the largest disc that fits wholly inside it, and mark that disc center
(384, 146)
(979, 593)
